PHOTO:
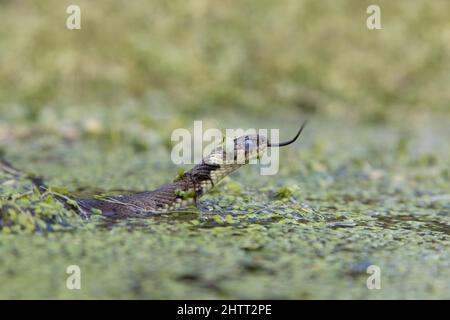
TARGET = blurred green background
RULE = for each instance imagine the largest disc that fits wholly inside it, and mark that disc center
(203, 56)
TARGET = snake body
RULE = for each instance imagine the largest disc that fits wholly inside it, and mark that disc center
(184, 191)
(174, 196)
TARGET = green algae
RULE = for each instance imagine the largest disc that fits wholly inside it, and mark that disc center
(310, 231)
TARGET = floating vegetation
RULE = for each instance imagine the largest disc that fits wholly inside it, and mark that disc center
(93, 112)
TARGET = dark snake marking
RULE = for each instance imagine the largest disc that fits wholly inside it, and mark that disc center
(163, 199)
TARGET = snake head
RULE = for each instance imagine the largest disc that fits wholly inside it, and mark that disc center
(245, 148)
(249, 147)
(238, 151)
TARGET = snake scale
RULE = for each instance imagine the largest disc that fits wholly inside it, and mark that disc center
(186, 189)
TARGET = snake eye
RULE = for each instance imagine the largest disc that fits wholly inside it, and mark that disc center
(249, 144)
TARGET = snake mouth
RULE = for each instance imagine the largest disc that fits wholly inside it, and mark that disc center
(282, 144)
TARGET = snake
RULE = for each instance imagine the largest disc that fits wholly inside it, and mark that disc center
(185, 190)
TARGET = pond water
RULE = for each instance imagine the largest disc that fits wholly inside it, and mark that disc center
(347, 196)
